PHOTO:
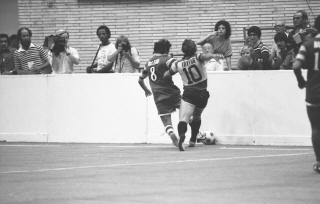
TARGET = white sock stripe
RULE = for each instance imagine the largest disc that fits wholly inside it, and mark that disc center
(169, 129)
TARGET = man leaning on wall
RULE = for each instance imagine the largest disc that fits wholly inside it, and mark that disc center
(6, 56)
(29, 58)
(106, 48)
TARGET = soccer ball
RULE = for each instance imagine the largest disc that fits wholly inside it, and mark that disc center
(206, 138)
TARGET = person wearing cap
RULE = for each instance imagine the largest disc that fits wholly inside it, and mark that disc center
(63, 57)
(261, 52)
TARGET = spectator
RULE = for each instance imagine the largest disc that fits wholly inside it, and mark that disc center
(245, 61)
(211, 64)
(47, 45)
(29, 58)
(220, 40)
(106, 48)
(48, 42)
(260, 53)
(13, 42)
(283, 57)
(299, 32)
(279, 27)
(126, 58)
(62, 57)
(6, 56)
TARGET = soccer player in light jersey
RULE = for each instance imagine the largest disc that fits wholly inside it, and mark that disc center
(309, 57)
(166, 95)
(195, 95)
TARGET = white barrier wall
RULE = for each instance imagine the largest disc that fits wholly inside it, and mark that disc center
(251, 107)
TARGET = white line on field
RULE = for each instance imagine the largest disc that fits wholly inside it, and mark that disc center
(151, 163)
(134, 146)
(266, 148)
(30, 145)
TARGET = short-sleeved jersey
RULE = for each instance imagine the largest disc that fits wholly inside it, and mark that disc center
(162, 88)
(309, 55)
(192, 71)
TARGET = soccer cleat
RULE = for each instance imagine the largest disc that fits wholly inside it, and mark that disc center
(174, 139)
(192, 144)
(316, 167)
(180, 144)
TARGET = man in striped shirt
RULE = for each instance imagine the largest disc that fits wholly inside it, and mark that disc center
(261, 52)
(29, 58)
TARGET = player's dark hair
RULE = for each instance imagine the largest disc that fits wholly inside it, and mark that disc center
(317, 23)
(162, 46)
(280, 37)
(189, 48)
(106, 29)
(21, 29)
(256, 30)
(226, 24)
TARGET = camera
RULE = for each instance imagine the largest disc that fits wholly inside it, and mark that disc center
(125, 46)
(59, 44)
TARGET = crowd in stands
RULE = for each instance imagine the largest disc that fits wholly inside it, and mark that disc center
(255, 55)
(18, 55)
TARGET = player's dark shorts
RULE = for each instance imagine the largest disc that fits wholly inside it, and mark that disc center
(197, 97)
(169, 105)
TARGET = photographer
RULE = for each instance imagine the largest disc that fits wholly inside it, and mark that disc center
(299, 33)
(282, 58)
(62, 57)
(126, 58)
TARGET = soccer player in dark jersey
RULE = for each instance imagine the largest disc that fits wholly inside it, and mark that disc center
(195, 95)
(166, 95)
(309, 57)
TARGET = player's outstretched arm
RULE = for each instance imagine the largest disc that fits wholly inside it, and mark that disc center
(206, 38)
(172, 65)
(144, 87)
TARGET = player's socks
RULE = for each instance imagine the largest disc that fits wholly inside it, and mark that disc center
(195, 126)
(170, 132)
(192, 144)
(182, 129)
